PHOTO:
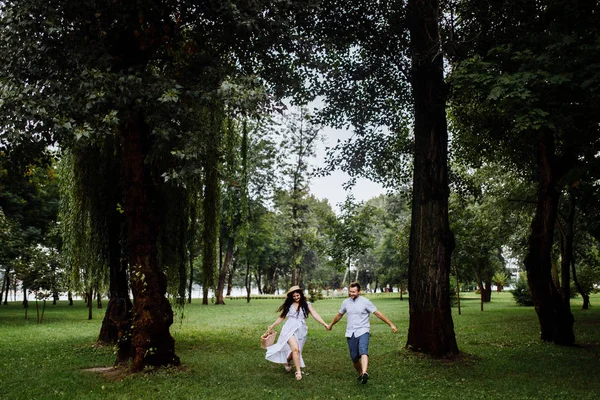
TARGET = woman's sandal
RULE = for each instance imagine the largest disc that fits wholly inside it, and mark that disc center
(298, 375)
(288, 367)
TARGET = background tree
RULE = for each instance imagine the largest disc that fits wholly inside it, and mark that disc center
(351, 237)
(516, 104)
(392, 247)
(299, 138)
(29, 202)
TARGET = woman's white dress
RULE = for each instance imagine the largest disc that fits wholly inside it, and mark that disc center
(295, 324)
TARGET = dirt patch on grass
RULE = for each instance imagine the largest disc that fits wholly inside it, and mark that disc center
(110, 373)
(121, 372)
(461, 358)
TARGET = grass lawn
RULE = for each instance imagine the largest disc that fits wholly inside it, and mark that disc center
(222, 359)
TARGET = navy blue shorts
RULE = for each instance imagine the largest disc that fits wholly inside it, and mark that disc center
(358, 346)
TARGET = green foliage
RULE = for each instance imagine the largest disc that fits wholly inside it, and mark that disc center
(507, 87)
(500, 279)
(392, 233)
(40, 273)
(350, 233)
(363, 77)
(587, 261)
(28, 213)
(521, 292)
(84, 218)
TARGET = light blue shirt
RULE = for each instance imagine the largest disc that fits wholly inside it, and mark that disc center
(358, 311)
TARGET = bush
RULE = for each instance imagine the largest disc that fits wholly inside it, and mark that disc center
(522, 294)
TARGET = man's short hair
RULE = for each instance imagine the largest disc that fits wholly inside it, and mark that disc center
(356, 285)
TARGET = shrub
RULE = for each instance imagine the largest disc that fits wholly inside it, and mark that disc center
(522, 294)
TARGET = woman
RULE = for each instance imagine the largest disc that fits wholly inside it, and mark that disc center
(293, 334)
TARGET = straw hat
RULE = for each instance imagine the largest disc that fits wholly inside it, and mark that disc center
(293, 289)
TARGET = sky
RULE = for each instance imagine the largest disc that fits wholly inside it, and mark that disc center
(330, 187)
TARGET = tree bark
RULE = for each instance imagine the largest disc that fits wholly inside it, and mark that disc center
(224, 272)
(484, 281)
(90, 301)
(431, 329)
(556, 320)
(152, 342)
(5, 284)
(25, 300)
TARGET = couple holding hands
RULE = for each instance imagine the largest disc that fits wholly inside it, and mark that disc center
(293, 334)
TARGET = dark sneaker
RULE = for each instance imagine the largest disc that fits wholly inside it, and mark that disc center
(364, 378)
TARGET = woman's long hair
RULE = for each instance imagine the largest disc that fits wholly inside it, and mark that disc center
(285, 307)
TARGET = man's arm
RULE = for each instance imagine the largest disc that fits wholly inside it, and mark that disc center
(382, 317)
(335, 320)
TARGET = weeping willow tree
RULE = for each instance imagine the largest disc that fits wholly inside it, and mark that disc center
(178, 236)
(85, 240)
(235, 202)
(93, 234)
(212, 199)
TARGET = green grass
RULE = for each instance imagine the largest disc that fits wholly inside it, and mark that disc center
(222, 359)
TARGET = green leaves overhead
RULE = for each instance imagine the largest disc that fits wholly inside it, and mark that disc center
(363, 80)
(522, 68)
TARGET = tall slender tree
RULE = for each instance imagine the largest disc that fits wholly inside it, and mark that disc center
(300, 135)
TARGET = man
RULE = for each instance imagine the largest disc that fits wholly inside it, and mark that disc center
(359, 309)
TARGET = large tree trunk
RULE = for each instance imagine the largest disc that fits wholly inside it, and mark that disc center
(431, 329)
(556, 320)
(152, 342)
